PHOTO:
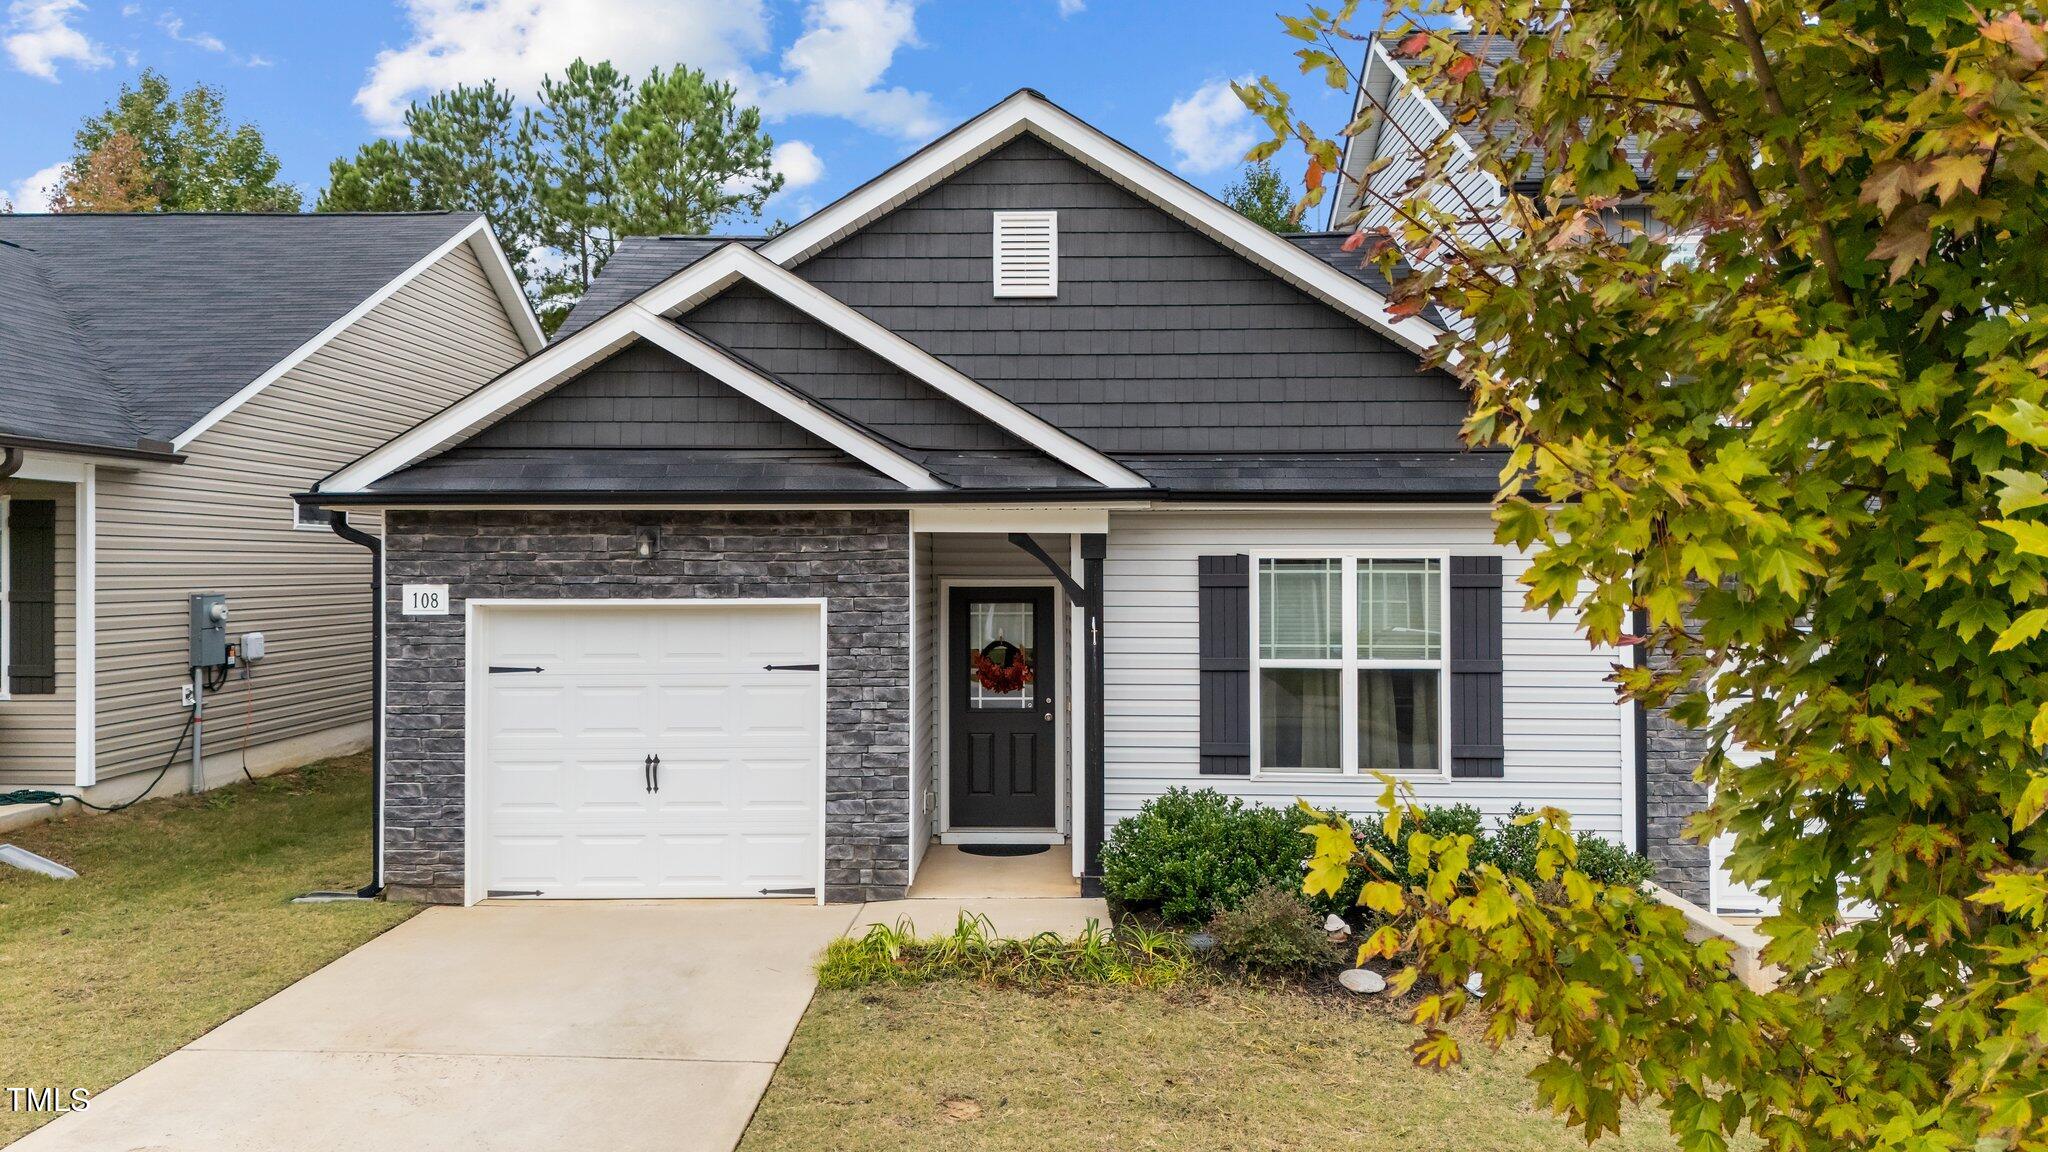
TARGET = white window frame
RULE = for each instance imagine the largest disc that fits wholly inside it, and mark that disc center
(1350, 663)
(299, 525)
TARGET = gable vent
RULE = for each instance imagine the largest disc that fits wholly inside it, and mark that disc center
(1027, 254)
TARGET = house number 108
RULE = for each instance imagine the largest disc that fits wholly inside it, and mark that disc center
(424, 600)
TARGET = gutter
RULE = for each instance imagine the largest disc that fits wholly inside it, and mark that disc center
(342, 528)
(888, 499)
(152, 450)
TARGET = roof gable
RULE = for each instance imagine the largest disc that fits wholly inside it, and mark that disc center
(644, 397)
(187, 315)
(835, 371)
(1160, 340)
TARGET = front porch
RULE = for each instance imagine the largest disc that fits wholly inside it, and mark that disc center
(1001, 657)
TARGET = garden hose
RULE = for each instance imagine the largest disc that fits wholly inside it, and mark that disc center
(57, 799)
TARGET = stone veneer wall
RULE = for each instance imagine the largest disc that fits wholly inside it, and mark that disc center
(857, 561)
(1672, 754)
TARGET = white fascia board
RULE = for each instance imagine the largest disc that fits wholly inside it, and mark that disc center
(716, 272)
(1027, 111)
(721, 366)
(530, 378)
(477, 234)
(497, 266)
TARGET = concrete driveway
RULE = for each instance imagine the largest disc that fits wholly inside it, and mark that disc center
(613, 1026)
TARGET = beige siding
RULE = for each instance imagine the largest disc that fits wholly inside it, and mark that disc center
(36, 731)
(1566, 734)
(222, 522)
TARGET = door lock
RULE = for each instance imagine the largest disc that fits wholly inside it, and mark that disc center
(1048, 717)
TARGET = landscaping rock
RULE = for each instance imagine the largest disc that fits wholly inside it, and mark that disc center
(1335, 924)
(1363, 981)
(1476, 985)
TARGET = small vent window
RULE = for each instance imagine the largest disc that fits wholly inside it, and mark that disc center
(1027, 254)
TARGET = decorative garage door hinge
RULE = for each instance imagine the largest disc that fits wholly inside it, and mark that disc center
(789, 891)
(494, 893)
(789, 667)
(497, 668)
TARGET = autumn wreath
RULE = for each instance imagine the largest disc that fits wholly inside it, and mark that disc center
(1002, 667)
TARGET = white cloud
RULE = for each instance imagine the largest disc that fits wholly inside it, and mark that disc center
(174, 27)
(40, 35)
(1072, 7)
(799, 164)
(836, 67)
(516, 42)
(33, 194)
(1210, 129)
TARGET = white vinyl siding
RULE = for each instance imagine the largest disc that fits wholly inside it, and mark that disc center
(1566, 735)
(222, 522)
(38, 732)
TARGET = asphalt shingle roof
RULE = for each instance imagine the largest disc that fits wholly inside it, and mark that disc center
(639, 263)
(116, 329)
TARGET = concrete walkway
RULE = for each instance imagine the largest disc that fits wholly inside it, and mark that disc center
(602, 1026)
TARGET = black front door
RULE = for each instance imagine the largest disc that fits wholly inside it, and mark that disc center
(1002, 719)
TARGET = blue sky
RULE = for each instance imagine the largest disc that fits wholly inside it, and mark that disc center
(850, 85)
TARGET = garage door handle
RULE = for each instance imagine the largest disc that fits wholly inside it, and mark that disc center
(657, 773)
(789, 667)
(650, 774)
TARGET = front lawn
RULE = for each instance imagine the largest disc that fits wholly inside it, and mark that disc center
(179, 920)
(960, 1065)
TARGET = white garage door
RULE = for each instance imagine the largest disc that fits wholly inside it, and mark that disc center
(650, 750)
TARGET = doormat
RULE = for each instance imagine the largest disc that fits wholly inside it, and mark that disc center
(1004, 849)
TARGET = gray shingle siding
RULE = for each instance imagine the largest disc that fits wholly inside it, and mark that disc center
(857, 561)
(1160, 340)
(818, 361)
(642, 397)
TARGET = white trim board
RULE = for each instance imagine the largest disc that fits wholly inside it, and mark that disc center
(1026, 110)
(558, 363)
(477, 234)
(85, 632)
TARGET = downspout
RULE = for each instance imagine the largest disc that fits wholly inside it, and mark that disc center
(10, 461)
(1642, 749)
(342, 528)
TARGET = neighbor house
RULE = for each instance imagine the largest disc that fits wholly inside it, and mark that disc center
(1020, 485)
(1401, 123)
(166, 383)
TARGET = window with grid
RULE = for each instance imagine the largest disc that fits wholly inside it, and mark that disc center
(1351, 670)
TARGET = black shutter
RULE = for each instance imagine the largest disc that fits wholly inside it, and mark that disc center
(32, 597)
(1225, 631)
(1476, 730)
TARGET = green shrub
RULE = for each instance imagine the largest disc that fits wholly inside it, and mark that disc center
(1191, 853)
(1512, 847)
(885, 954)
(1273, 933)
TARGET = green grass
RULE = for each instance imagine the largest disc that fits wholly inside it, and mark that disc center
(964, 1065)
(179, 920)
